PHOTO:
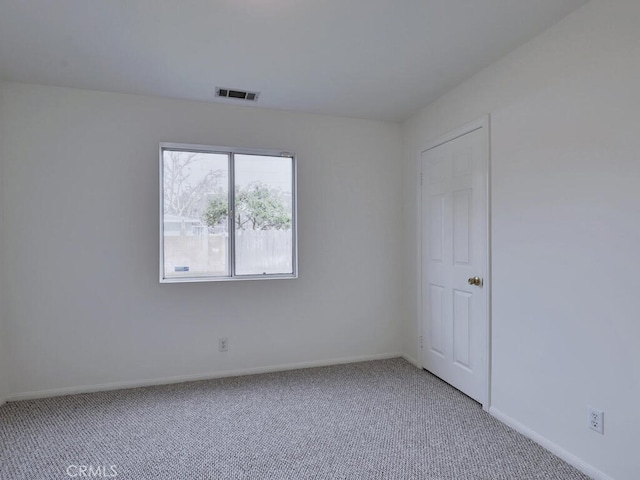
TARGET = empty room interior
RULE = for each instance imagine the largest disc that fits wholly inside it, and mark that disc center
(269, 239)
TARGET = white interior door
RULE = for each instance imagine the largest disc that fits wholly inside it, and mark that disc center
(454, 260)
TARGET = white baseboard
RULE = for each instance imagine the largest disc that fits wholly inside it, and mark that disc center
(57, 392)
(558, 451)
(411, 360)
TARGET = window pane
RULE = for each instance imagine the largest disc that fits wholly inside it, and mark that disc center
(195, 221)
(263, 217)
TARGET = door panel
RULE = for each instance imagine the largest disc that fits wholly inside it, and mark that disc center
(462, 328)
(462, 227)
(436, 337)
(454, 245)
(436, 220)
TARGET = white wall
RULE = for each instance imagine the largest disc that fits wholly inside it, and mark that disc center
(565, 137)
(4, 364)
(80, 199)
(4, 357)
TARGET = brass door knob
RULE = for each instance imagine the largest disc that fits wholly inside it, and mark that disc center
(477, 281)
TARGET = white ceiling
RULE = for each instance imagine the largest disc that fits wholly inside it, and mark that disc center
(376, 59)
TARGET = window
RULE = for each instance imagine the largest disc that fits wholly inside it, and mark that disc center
(226, 214)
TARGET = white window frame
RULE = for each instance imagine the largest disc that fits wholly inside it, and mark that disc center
(231, 152)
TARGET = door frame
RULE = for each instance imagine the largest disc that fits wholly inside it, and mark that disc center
(481, 123)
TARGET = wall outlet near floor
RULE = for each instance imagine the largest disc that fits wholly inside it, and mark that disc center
(223, 344)
(596, 420)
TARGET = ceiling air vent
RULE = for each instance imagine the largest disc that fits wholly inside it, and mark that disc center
(238, 94)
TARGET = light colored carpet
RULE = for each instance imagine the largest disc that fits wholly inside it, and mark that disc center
(373, 420)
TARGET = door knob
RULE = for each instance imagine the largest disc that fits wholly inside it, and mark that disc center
(477, 281)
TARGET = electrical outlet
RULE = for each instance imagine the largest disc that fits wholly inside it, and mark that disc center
(223, 344)
(596, 420)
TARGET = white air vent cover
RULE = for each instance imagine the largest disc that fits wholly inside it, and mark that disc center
(237, 94)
